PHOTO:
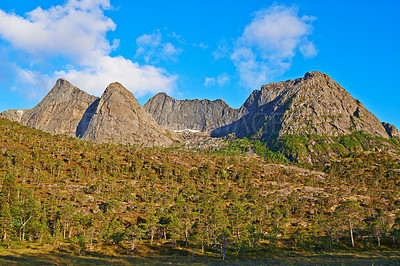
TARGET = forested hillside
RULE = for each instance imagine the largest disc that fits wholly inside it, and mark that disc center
(82, 197)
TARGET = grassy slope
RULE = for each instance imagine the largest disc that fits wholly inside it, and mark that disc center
(133, 181)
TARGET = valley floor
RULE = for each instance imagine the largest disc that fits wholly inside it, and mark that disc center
(34, 256)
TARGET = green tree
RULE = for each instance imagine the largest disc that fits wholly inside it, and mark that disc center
(25, 211)
(132, 234)
(6, 221)
(151, 226)
(380, 227)
(186, 216)
(349, 213)
(238, 220)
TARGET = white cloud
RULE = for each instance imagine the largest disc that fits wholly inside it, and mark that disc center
(152, 49)
(201, 45)
(308, 50)
(34, 83)
(223, 50)
(209, 82)
(221, 80)
(179, 38)
(139, 79)
(76, 31)
(269, 43)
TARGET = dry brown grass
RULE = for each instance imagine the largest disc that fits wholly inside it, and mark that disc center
(39, 256)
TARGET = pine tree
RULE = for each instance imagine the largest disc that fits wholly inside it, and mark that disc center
(6, 228)
(349, 214)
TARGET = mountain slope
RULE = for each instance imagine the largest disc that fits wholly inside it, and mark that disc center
(315, 104)
(60, 111)
(119, 118)
(202, 115)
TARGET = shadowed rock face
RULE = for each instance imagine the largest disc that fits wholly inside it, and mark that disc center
(314, 104)
(202, 115)
(60, 111)
(115, 118)
(87, 116)
(119, 118)
(391, 130)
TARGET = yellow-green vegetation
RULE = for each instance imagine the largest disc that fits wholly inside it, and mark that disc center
(66, 197)
(34, 255)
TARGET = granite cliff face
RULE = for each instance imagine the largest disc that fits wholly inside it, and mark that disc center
(60, 111)
(199, 115)
(119, 118)
(314, 104)
(115, 118)
(391, 130)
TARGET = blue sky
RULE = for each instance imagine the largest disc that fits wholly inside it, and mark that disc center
(199, 49)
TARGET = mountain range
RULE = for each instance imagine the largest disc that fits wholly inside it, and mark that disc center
(314, 104)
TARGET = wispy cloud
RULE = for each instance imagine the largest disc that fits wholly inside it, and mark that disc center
(221, 80)
(34, 83)
(223, 50)
(76, 31)
(152, 49)
(201, 45)
(178, 37)
(269, 43)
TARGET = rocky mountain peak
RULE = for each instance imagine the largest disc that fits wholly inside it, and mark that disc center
(198, 115)
(119, 118)
(117, 87)
(63, 91)
(314, 104)
(60, 111)
(316, 74)
(61, 82)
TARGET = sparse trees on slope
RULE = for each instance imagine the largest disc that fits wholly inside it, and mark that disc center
(349, 213)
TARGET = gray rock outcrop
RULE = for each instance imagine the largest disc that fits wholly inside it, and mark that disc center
(119, 118)
(314, 104)
(201, 115)
(60, 111)
(391, 130)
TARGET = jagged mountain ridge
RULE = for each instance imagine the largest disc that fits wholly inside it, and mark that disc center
(116, 117)
(60, 111)
(198, 115)
(314, 104)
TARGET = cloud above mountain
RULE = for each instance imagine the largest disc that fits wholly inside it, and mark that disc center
(268, 44)
(76, 33)
(152, 49)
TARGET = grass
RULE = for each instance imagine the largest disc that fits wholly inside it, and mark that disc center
(35, 256)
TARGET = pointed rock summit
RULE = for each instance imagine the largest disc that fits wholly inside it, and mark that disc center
(119, 118)
(314, 104)
(59, 112)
